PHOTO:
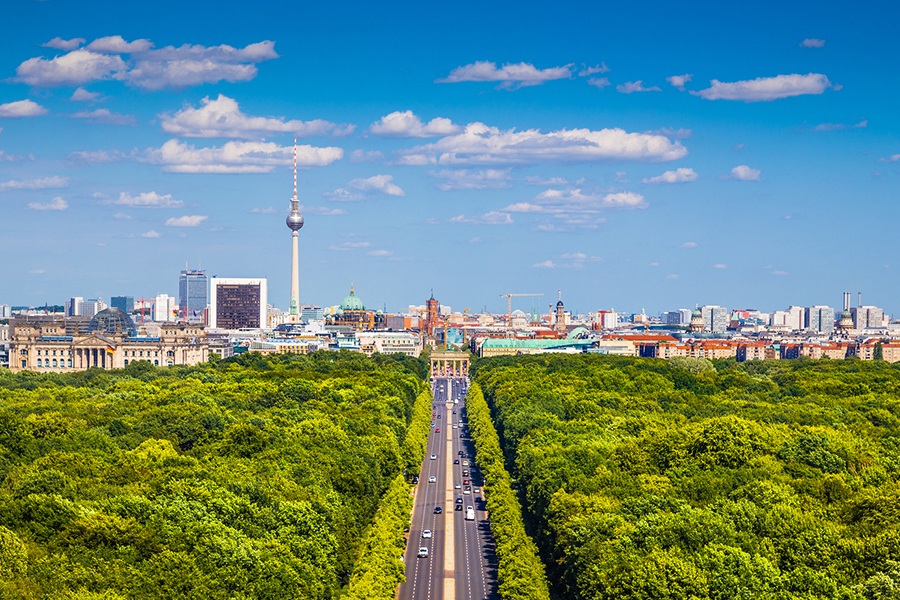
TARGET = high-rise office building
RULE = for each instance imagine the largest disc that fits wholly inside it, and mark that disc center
(193, 295)
(682, 316)
(865, 317)
(89, 308)
(5, 311)
(73, 306)
(715, 318)
(819, 318)
(238, 303)
(164, 308)
(123, 303)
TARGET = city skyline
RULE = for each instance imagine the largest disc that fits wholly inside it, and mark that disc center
(697, 155)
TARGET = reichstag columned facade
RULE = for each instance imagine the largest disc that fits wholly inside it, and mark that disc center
(110, 342)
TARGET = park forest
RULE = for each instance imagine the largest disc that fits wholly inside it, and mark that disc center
(286, 477)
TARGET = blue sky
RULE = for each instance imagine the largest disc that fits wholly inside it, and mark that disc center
(646, 156)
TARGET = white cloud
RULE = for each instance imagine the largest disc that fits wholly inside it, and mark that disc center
(654, 264)
(105, 117)
(672, 276)
(635, 86)
(150, 234)
(464, 179)
(547, 264)
(812, 43)
(351, 246)
(482, 145)
(61, 44)
(512, 76)
(475, 240)
(574, 256)
(35, 184)
(97, 157)
(82, 95)
(677, 176)
(148, 69)
(115, 44)
(586, 71)
(575, 201)
(263, 211)
(678, 81)
(236, 157)
(56, 204)
(379, 253)
(779, 272)
(744, 173)
(678, 134)
(75, 68)
(21, 108)
(622, 177)
(122, 217)
(376, 183)
(492, 218)
(146, 200)
(222, 117)
(765, 89)
(362, 156)
(892, 158)
(186, 221)
(38, 272)
(537, 180)
(322, 210)
(739, 147)
(406, 124)
(599, 82)
(720, 266)
(4, 157)
(860, 123)
(689, 245)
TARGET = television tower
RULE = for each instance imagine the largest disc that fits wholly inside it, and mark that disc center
(294, 223)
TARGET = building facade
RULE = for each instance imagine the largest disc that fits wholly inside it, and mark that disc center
(45, 347)
(715, 318)
(193, 295)
(123, 303)
(819, 319)
(238, 303)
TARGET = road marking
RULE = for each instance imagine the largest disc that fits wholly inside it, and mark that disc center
(449, 541)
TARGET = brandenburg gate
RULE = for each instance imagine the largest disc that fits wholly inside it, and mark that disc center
(449, 364)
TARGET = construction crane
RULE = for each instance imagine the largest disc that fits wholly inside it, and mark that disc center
(509, 298)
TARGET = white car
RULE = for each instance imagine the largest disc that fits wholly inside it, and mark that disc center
(456, 427)
(432, 479)
(457, 486)
(433, 457)
(476, 490)
(426, 533)
(465, 491)
(423, 552)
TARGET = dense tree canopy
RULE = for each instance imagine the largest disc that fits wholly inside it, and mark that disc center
(253, 477)
(652, 479)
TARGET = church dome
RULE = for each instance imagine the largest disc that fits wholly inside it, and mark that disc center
(352, 302)
(112, 321)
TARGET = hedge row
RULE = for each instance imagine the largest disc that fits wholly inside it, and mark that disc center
(520, 571)
(416, 440)
(379, 569)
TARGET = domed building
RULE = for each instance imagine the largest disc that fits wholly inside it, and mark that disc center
(112, 321)
(352, 314)
(696, 325)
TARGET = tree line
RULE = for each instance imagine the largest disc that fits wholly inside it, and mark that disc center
(252, 477)
(520, 574)
(645, 478)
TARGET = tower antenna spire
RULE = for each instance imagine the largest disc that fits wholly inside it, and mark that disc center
(294, 223)
(295, 167)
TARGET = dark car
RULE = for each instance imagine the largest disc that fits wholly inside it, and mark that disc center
(439, 416)
(456, 462)
(465, 473)
(461, 453)
(459, 499)
(415, 479)
(477, 498)
(459, 507)
(438, 510)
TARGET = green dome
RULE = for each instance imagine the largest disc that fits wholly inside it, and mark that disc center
(696, 313)
(352, 302)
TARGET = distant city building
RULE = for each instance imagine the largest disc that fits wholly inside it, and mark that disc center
(164, 308)
(110, 344)
(123, 303)
(89, 308)
(5, 311)
(819, 319)
(312, 313)
(238, 303)
(193, 295)
(559, 318)
(607, 319)
(72, 307)
(682, 316)
(715, 318)
(865, 317)
(389, 342)
(432, 315)
(788, 320)
(697, 322)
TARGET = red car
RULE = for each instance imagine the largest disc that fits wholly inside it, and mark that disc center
(437, 429)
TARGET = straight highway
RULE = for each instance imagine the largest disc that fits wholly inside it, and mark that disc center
(459, 561)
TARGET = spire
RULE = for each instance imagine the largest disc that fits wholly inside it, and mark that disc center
(295, 168)
(559, 294)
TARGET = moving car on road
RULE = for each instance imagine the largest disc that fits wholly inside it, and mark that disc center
(470, 513)
(432, 479)
(426, 533)
(423, 552)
